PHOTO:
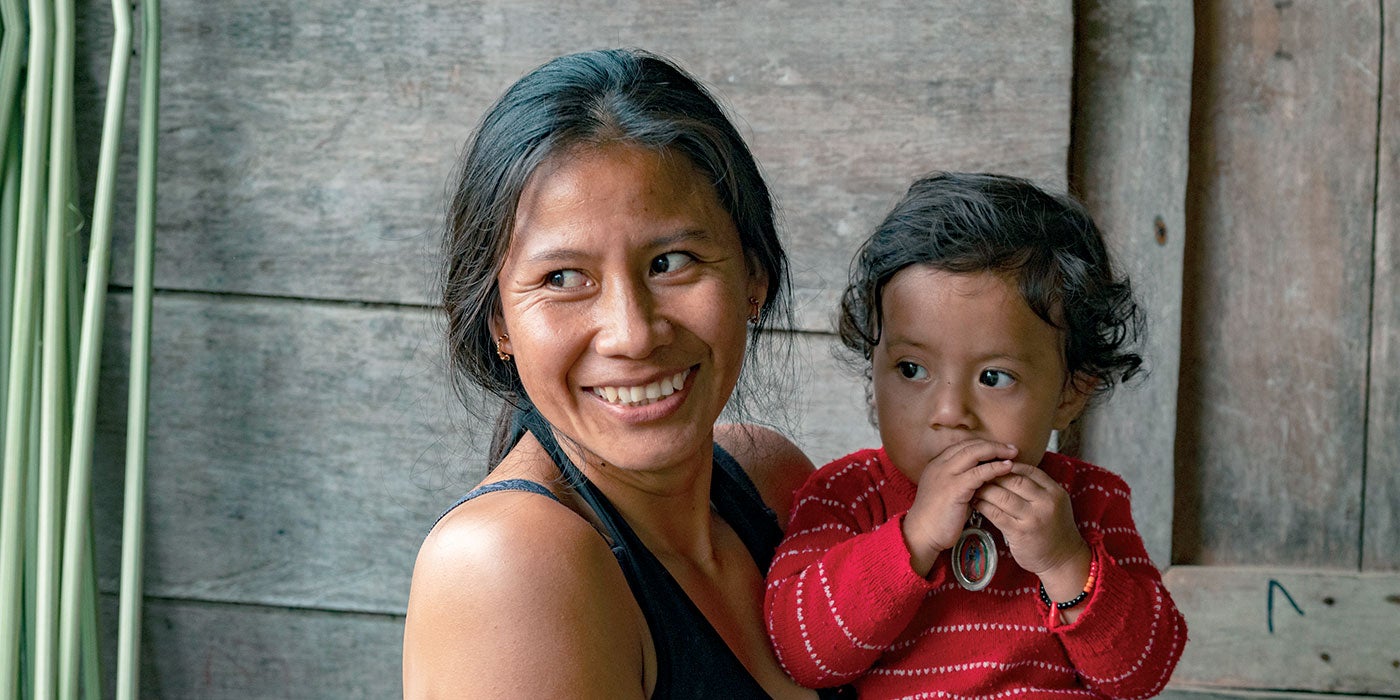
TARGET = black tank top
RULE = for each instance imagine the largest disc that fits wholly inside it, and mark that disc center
(692, 659)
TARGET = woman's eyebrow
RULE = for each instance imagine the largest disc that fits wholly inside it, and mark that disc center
(565, 254)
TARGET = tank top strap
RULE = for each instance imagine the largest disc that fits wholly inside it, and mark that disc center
(738, 503)
(502, 485)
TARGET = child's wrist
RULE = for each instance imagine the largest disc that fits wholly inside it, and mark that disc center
(1067, 580)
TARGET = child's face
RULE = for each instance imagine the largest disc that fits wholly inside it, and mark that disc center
(962, 356)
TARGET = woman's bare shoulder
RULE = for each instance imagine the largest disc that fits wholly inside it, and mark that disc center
(776, 465)
(516, 595)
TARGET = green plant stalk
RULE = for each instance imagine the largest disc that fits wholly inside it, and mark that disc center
(31, 520)
(92, 643)
(22, 336)
(53, 443)
(9, 230)
(75, 528)
(133, 525)
(11, 60)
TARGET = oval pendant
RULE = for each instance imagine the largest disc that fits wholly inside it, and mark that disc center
(974, 559)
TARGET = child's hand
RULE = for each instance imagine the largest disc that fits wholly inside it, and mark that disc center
(947, 486)
(1035, 516)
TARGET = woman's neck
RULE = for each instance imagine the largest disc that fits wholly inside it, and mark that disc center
(668, 508)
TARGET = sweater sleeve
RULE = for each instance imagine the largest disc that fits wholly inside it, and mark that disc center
(840, 589)
(1128, 638)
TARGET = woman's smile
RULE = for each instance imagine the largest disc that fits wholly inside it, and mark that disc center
(636, 395)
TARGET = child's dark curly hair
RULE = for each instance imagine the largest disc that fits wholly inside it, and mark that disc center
(965, 223)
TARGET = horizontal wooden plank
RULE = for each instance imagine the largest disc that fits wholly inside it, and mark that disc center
(1132, 106)
(305, 148)
(1381, 548)
(1289, 629)
(1175, 692)
(192, 650)
(298, 452)
(1277, 299)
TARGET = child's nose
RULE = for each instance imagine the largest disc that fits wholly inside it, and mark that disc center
(951, 406)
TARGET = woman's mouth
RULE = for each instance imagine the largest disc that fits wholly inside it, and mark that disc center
(645, 394)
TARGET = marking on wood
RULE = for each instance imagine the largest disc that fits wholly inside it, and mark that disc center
(1273, 584)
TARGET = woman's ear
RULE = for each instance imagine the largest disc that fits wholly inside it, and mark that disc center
(1074, 397)
(499, 333)
(758, 286)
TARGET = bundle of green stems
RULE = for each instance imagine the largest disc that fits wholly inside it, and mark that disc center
(52, 302)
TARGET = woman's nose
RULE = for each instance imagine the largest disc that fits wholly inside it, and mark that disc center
(951, 406)
(629, 322)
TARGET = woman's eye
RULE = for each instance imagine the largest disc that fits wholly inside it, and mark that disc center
(670, 262)
(995, 378)
(565, 279)
(912, 371)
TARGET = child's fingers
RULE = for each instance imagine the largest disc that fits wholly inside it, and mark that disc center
(968, 454)
(1030, 483)
(993, 497)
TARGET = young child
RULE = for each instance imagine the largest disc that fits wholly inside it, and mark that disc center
(961, 558)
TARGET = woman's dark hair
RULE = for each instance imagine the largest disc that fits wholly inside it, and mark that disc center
(590, 98)
(965, 223)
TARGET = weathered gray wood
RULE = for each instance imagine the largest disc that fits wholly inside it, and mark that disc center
(1176, 692)
(1278, 266)
(306, 146)
(1381, 546)
(203, 651)
(1344, 640)
(298, 452)
(1132, 97)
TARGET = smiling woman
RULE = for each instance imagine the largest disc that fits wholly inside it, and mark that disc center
(610, 256)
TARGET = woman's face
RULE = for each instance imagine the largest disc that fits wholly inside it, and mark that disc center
(625, 295)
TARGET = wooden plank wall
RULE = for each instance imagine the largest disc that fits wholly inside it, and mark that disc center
(1288, 475)
(1277, 301)
(301, 439)
(1379, 548)
(1132, 92)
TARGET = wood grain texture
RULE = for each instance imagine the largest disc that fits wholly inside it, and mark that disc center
(299, 452)
(1278, 269)
(1182, 692)
(1342, 641)
(206, 651)
(305, 146)
(1131, 150)
(1381, 546)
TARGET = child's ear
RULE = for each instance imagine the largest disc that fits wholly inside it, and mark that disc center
(1074, 397)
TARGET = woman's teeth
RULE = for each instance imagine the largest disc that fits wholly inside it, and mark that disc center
(642, 395)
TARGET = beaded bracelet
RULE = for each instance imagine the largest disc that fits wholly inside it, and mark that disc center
(1088, 588)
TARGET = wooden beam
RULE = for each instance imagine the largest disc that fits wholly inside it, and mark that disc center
(1288, 629)
(1132, 95)
(1381, 548)
(211, 651)
(1276, 308)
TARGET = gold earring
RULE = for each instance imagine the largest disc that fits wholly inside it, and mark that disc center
(753, 311)
(500, 351)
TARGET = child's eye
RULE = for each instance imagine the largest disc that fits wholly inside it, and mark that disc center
(565, 279)
(912, 371)
(995, 378)
(670, 262)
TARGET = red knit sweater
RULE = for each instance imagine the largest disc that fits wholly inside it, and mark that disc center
(843, 604)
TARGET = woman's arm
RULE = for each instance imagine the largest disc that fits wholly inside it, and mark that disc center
(515, 596)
